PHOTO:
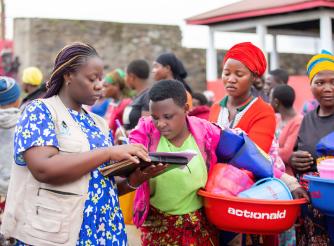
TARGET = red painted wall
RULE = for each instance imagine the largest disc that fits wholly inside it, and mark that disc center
(5, 45)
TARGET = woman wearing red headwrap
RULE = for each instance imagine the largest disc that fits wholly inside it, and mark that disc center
(242, 65)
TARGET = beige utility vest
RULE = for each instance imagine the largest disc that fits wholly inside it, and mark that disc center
(41, 214)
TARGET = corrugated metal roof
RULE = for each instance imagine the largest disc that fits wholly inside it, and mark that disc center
(255, 8)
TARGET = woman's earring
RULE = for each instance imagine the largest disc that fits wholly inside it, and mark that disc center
(68, 83)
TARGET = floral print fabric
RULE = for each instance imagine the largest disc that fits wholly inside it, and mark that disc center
(189, 229)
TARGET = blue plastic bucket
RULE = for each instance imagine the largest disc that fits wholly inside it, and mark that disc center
(321, 193)
(267, 189)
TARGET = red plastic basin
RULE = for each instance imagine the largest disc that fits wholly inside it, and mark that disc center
(249, 215)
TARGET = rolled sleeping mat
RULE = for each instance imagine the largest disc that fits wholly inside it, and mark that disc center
(240, 151)
(325, 147)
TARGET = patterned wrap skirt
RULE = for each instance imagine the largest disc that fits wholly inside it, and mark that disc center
(189, 229)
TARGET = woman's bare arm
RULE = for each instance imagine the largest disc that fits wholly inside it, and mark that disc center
(48, 166)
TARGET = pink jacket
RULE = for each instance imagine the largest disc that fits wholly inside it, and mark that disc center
(206, 136)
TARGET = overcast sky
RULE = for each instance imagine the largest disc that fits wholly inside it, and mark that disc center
(146, 11)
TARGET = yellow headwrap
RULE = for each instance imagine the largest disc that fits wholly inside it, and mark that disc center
(32, 75)
(320, 62)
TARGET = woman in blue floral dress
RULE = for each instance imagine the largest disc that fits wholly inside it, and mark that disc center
(76, 80)
(102, 203)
